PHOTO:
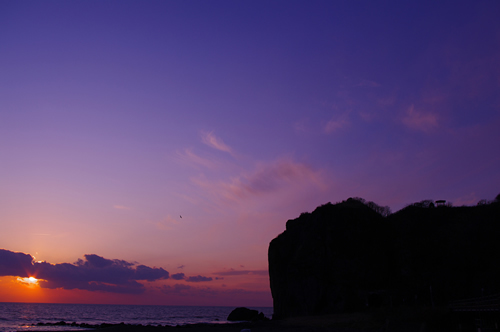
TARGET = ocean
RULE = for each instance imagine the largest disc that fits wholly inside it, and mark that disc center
(21, 316)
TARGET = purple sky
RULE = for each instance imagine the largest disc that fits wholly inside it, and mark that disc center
(118, 117)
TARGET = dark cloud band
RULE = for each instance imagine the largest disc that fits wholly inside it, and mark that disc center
(242, 272)
(94, 273)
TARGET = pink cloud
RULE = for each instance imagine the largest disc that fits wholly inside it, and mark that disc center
(233, 272)
(189, 157)
(121, 207)
(269, 178)
(467, 199)
(387, 101)
(368, 83)
(167, 223)
(366, 116)
(434, 97)
(209, 139)
(301, 126)
(420, 120)
(334, 125)
(198, 278)
(476, 77)
(275, 180)
(224, 296)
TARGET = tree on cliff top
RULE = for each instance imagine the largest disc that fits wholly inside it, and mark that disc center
(384, 211)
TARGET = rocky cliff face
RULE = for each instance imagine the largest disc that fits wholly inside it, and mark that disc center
(329, 260)
(347, 257)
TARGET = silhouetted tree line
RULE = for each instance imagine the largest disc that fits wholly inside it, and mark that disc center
(384, 211)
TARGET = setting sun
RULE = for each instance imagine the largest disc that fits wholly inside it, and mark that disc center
(29, 281)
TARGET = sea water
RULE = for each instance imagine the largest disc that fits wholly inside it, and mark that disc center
(22, 316)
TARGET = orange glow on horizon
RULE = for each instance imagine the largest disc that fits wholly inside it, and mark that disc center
(13, 289)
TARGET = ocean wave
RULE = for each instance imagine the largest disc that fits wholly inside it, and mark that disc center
(14, 315)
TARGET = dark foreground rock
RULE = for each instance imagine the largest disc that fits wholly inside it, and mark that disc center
(354, 256)
(245, 314)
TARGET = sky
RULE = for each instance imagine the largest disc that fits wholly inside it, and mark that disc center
(150, 151)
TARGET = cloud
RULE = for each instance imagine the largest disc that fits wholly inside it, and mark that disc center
(209, 139)
(369, 84)
(188, 290)
(301, 126)
(420, 120)
(270, 178)
(143, 272)
(181, 266)
(468, 199)
(281, 176)
(336, 124)
(177, 289)
(121, 207)
(94, 273)
(198, 278)
(387, 101)
(15, 264)
(167, 223)
(178, 276)
(192, 158)
(233, 272)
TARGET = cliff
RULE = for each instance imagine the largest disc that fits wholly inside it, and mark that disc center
(354, 255)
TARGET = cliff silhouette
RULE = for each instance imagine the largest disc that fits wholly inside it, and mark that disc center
(356, 255)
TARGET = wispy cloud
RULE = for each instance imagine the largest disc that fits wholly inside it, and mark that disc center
(233, 272)
(469, 199)
(418, 120)
(211, 140)
(366, 116)
(189, 157)
(267, 178)
(167, 223)
(188, 290)
(178, 289)
(301, 126)
(369, 83)
(198, 278)
(336, 124)
(386, 101)
(121, 207)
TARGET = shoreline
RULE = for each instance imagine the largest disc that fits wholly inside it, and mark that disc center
(336, 322)
(392, 320)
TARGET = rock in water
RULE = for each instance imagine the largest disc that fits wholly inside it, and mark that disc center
(245, 314)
